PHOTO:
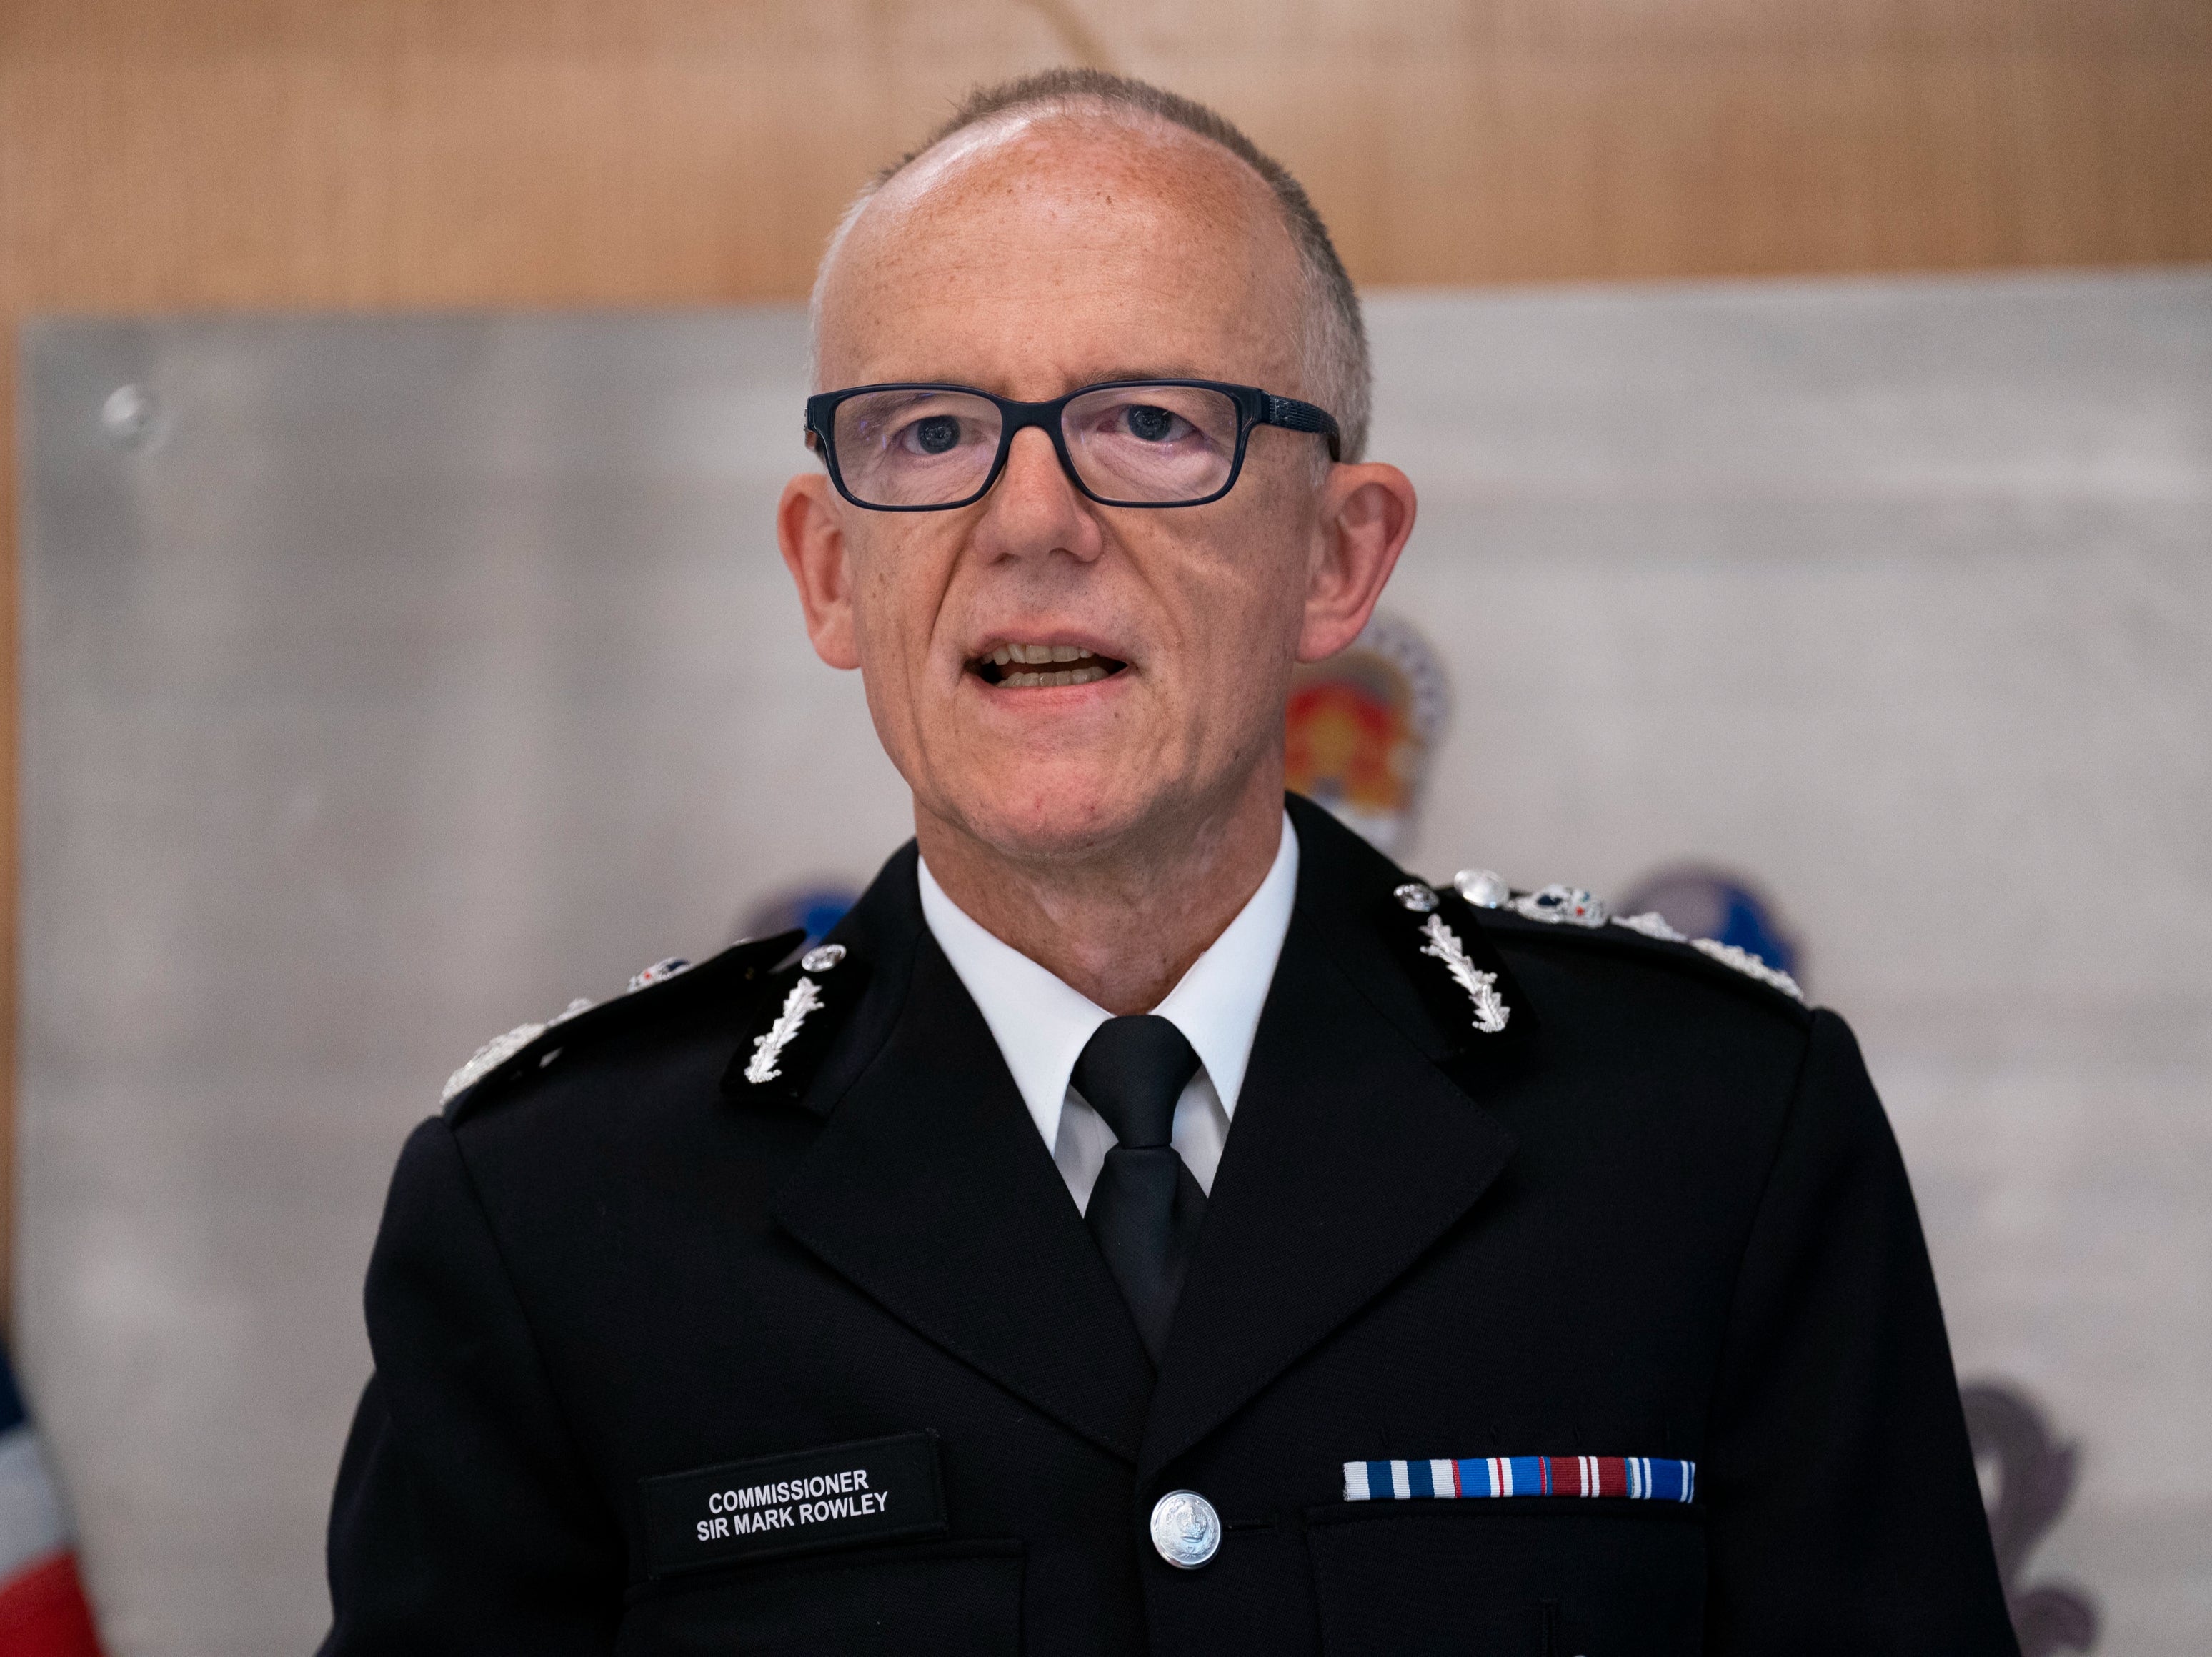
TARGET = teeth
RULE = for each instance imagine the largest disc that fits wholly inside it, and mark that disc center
(1067, 676)
(1037, 655)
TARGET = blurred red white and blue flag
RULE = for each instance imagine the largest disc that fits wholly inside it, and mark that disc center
(43, 1611)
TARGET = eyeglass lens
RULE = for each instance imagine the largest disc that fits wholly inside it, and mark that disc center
(1157, 445)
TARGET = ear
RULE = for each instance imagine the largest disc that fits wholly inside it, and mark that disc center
(813, 542)
(1366, 512)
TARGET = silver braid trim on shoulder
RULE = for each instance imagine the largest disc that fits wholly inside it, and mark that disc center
(489, 1057)
(1750, 966)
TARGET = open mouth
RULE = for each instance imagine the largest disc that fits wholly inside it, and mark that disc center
(1037, 666)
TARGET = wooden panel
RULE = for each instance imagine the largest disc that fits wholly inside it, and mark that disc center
(160, 155)
(226, 152)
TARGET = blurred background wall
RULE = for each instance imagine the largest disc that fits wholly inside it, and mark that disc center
(161, 156)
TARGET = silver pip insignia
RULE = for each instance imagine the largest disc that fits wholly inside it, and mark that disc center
(658, 973)
(1415, 896)
(1568, 905)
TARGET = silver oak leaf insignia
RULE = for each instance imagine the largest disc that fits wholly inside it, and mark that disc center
(806, 996)
(1490, 1011)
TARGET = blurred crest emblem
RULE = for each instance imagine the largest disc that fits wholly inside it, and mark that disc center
(813, 909)
(1720, 907)
(1361, 729)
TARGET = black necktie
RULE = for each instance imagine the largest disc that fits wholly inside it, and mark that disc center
(1146, 1209)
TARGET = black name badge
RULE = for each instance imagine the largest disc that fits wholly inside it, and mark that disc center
(876, 1491)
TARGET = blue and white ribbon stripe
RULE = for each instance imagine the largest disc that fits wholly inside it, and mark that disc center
(1636, 1477)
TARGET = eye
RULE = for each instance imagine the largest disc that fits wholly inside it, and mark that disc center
(1151, 424)
(936, 434)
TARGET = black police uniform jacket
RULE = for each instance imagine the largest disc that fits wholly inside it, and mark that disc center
(621, 1292)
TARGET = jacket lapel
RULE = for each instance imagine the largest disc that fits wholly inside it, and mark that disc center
(1353, 1150)
(930, 1190)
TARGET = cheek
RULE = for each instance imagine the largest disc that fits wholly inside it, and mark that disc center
(1244, 608)
(890, 634)
(1250, 599)
(896, 604)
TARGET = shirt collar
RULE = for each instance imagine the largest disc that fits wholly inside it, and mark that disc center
(1041, 1023)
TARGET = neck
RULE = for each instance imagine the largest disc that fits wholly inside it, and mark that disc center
(1123, 923)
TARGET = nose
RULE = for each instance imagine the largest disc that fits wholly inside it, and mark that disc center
(1035, 509)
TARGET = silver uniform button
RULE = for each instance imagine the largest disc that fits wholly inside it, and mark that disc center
(1186, 1529)
(1483, 888)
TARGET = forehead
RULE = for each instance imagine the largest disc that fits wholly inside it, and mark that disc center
(1033, 254)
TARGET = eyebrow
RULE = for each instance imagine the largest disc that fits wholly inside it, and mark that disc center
(1105, 377)
(1111, 376)
(1149, 373)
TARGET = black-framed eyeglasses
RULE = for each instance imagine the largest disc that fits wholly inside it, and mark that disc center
(928, 447)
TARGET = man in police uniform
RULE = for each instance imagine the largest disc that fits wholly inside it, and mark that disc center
(1152, 1220)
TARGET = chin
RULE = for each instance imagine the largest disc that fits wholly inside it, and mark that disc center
(1056, 812)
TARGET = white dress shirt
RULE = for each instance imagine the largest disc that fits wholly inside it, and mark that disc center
(1041, 1025)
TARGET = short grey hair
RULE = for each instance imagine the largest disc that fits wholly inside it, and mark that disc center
(1333, 333)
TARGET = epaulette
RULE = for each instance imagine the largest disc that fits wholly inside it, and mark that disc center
(665, 986)
(1570, 907)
